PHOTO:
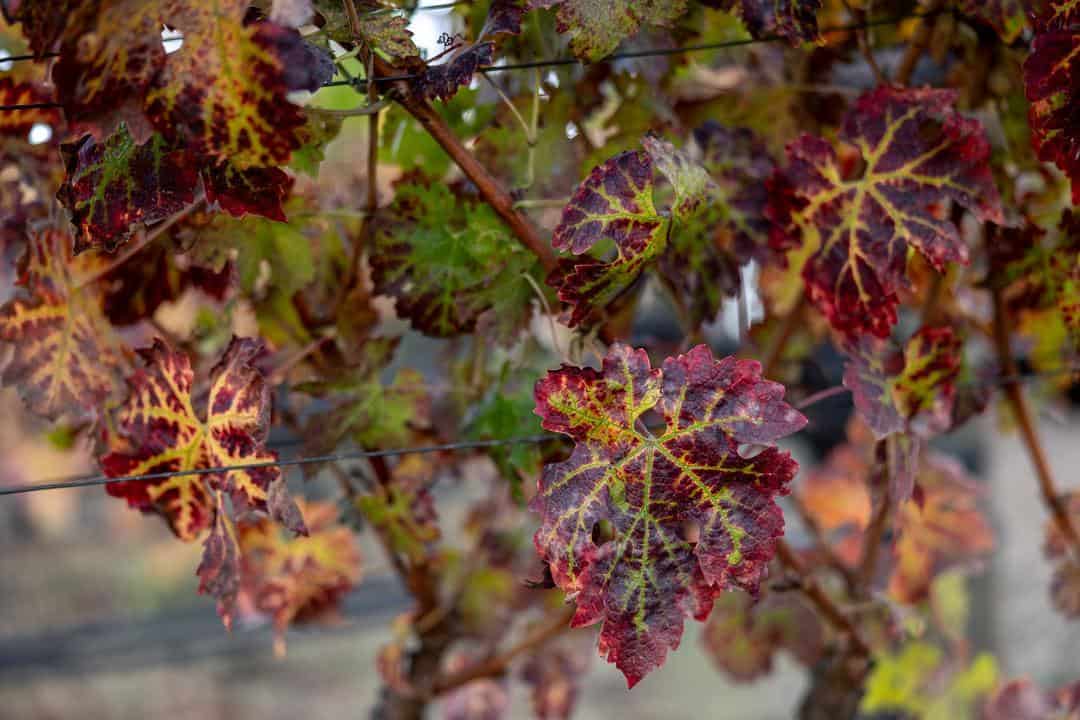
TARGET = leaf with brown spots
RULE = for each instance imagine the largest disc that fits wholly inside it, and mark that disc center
(163, 427)
(298, 578)
(596, 27)
(68, 360)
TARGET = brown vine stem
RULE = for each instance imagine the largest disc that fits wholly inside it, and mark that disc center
(821, 600)
(919, 43)
(875, 533)
(1014, 394)
(498, 664)
(487, 184)
(851, 581)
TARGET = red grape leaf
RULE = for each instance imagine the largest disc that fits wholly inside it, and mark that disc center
(443, 81)
(67, 358)
(614, 204)
(219, 569)
(794, 20)
(110, 52)
(946, 530)
(1065, 582)
(912, 390)
(115, 186)
(161, 427)
(298, 578)
(242, 191)
(17, 123)
(42, 22)
(743, 635)
(1050, 77)
(504, 17)
(852, 220)
(648, 489)
(595, 28)
(223, 93)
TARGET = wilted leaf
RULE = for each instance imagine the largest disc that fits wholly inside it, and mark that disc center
(298, 578)
(219, 569)
(161, 427)
(852, 218)
(648, 489)
(115, 186)
(442, 81)
(67, 358)
(743, 635)
(947, 529)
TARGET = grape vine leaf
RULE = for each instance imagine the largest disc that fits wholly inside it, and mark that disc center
(67, 358)
(743, 635)
(374, 415)
(595, 29)
(554, 675)
(909, 390)
(242, 191)
(947, 529)
(728, 227)
(852, 219)
(1050, 79)
(1021, 699)
(223, 93)
(116, 185)
(1065, 581)
(613, 205)
(403, 511)
(298, 578)
(219, 568)
(643, 581)
(163, 427)
(794, 20)
(443, 81)
(17, 123)
(919, 681)
(504, 17)
(447, 259)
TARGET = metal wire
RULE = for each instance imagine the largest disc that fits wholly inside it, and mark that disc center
(91, 480)
(362, 83)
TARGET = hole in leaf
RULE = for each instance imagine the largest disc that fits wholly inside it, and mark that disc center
(690, 531)
(603, 532)
(751, 450)
(39, 133)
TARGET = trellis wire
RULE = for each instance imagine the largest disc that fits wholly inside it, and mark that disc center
(361, 83)
(91, 480)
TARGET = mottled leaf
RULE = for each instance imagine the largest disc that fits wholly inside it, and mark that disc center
(1051, 77)
(947, 529)
(793, 20)
(852, 218)
(116, 186)
(596, 27)
(255, 190)
(362, 408)
(222, 94)
(67, 359)
(909, 390)
(447, 260)
(293, 579)
(743, 636)
(504, 17)
(163, 427)
(219, 569)
(614, 205)
(647, 489)
(1065, 582)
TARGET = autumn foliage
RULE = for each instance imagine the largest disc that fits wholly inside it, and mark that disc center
(282, 220)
